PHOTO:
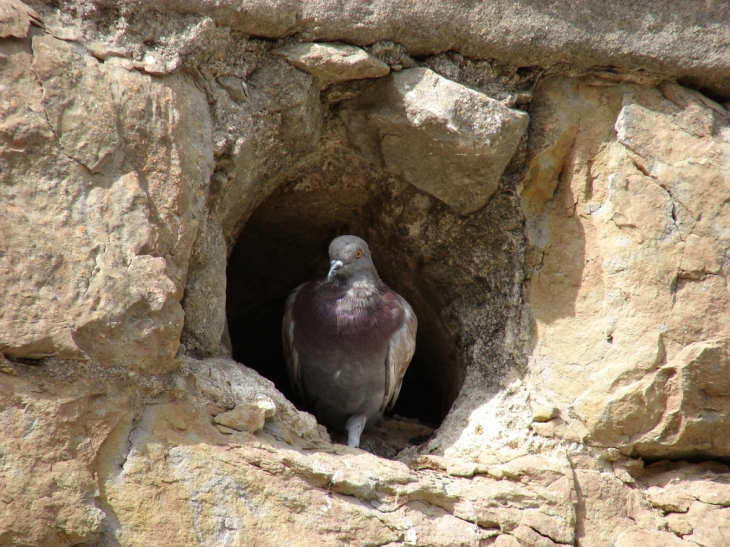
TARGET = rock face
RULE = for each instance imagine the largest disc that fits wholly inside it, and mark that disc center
(84, 202)
(633, 307)
(332, 63)
(204, 299)
(15, 19)
(168, 171)
(442, 137)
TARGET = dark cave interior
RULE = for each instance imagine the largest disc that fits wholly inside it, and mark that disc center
(284, 244)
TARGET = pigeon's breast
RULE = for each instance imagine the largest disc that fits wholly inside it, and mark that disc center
(361, 319)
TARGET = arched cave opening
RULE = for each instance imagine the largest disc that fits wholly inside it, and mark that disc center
(461, 273)
(285, 242)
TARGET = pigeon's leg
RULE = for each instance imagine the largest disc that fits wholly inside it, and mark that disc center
(355, 424)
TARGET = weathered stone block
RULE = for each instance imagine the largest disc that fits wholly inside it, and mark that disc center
(245, 417)
(102, 184)
(628, 221)
(443, 137)
(334, 62)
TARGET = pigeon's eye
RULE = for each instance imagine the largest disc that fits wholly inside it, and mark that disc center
(358, 254)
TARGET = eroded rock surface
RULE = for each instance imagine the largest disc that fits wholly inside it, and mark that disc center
(627, 289)
(334, 62)
(205, 291)
(234, 487)
(570, 275)
(15, 19)
(442, 137)
(104, 175)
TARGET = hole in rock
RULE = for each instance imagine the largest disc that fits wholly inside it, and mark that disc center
(462, 274)
(285, 243)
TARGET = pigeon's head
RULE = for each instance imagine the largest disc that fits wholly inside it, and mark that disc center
(350, 260)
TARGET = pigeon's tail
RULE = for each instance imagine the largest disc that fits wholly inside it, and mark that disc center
(355, 425)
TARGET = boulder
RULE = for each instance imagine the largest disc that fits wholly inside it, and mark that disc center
(448, 140)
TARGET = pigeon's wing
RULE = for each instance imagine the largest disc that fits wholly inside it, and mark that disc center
(290, 352)
(400, 352)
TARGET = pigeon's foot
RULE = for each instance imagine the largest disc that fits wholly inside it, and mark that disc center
(355, 424)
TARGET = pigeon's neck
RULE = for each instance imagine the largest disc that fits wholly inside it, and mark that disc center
(362, 289)
(362, 280)
(355, 290)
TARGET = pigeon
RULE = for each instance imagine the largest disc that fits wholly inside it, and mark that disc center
(348, 340)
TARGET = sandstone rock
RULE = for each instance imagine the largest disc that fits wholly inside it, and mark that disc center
(609, 280)
(122, 194)
(103, 180)
(266, 405)
(604, 504)
(649, 538)
(543, 413)
(504, 540)
(631, 37)
(16, 18)
(702, 255)
(231, 384)
(679, 395)
(204, 302)
(332, 63)
(218, 485)
(261, 140)
(710, 524)
(245, 417)
(527, 536)
(673, 487)
(214, 408)
(236, 88)
(611, 512)
(71, 97)
(678, 523)
(442, 137)
(695, 499)
(6, 367)
(51, 437)
(225, 429)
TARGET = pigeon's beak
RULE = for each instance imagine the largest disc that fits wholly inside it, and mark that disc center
(334, 266)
